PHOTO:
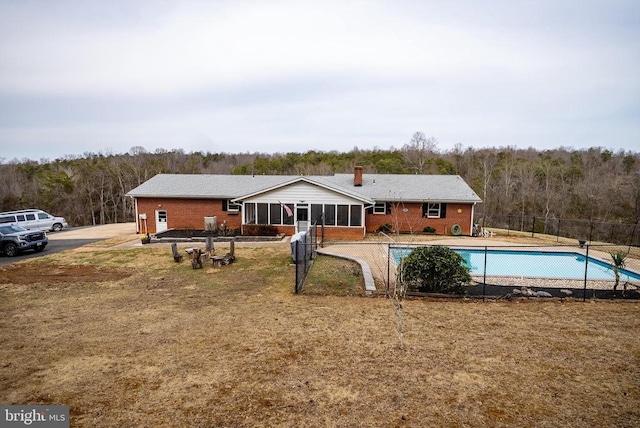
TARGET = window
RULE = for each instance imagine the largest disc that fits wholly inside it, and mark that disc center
(20, 217)
(250, 213)
(31, 216)
(330, 215)
(337, 215)
(8, 219)
(263, 213)
(316, 213)
(380, 208)
(288, 213)
(231, 207)
(42, 216)
(434, 210)
(356, 215)
(283, 214)
(343, 215)
(275, 211)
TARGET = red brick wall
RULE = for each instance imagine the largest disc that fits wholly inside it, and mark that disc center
(335, 232)
(412, 220)
(186, 213)
(190, 214)
(330, 232)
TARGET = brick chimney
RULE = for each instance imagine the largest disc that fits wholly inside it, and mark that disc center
(357, 176)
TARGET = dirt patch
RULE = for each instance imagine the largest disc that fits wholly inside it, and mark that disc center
(45, 273)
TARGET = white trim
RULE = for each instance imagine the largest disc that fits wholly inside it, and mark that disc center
(384, 208)
(236, 206)
(355, 196)
(429, 209)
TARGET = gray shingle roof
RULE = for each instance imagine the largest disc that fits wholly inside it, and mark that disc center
(206, 185)
(411, 187)
(376, 187)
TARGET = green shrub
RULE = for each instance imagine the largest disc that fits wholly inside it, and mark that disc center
(259, 230)
(429, 229)
(435, 269)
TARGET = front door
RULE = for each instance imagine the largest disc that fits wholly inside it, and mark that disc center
(161, 221)
(302, 218)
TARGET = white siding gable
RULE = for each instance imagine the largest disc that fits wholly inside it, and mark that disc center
(301, 191)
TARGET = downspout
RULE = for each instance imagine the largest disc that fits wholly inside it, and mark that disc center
(135, 205)
(473, 210)
(242, 211)
(364, 222)
(364, 219)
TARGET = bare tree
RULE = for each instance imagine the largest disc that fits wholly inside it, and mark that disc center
(419, 150)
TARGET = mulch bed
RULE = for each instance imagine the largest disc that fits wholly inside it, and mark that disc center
(577, 293)
(186, 234)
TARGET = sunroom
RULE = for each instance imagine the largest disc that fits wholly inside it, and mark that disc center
(292, 207)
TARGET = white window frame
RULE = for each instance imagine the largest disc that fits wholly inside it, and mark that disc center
(233, 207)
(380, 208)
(431, 209)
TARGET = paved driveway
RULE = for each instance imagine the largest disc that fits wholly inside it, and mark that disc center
(76, 237)
(105, 231)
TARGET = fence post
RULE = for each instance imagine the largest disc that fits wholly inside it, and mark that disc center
(586, 267)
(533, 227)
(388, 268)
(295, 262)
(484, 278)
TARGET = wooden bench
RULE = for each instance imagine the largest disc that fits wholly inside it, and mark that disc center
(227, 259)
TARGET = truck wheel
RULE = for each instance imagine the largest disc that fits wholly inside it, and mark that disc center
(57, 227)
(10, 249)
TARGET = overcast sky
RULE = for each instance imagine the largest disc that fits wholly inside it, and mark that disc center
(278, 76)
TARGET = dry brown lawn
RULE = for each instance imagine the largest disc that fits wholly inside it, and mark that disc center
(129, 338)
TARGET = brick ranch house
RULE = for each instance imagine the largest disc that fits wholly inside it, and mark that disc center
(352, 204)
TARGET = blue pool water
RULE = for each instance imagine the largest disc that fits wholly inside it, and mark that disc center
(532, 264)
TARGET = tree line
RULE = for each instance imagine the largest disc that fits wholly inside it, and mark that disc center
(564, 183)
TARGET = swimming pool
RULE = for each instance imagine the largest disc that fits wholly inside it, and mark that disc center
(533, 264)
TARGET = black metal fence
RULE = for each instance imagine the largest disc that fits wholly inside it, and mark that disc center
(504, 270)
(585, 230)
(582, 272)
(304, 249)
